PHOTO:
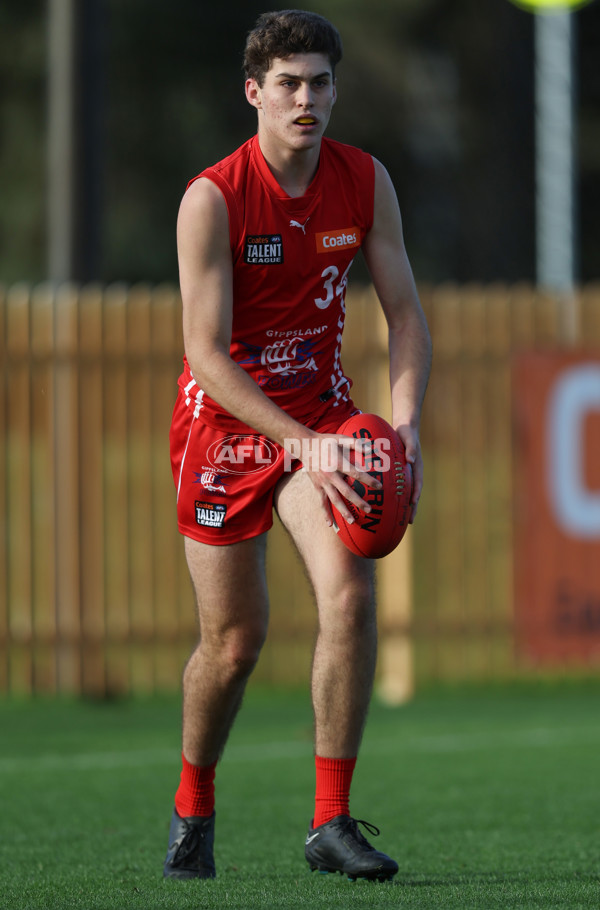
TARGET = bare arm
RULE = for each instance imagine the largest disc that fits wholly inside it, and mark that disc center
(206, 280)
(409, 339)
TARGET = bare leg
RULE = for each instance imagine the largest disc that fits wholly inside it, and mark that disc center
(233, 613)
(345, 651)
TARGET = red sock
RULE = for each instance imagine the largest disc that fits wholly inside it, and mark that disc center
(332, 796)
(196, 792)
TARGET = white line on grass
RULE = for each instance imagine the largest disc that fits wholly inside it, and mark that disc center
(276, 751)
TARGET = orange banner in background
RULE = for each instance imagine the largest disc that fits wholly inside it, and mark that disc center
(556, 403)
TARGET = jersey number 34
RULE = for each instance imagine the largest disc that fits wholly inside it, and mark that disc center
(330, 276)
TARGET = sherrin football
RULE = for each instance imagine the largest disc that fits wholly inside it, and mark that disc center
(376, 533)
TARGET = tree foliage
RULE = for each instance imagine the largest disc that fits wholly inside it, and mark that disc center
(440, 90)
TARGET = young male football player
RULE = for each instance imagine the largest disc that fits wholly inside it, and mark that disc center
(266, 239)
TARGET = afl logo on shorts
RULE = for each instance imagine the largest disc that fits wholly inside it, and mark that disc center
(242, 454)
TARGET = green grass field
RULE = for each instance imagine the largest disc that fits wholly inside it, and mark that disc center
(487, 798)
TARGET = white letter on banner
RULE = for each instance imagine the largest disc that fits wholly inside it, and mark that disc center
(575, 393)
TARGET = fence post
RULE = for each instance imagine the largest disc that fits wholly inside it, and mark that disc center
(90, 423)
(117, 531)
(394, 572)
(4, 677)
(43, 539)
(18, 490)
(66, 490)
(395, 594)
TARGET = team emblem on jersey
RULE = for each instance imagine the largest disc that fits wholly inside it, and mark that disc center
(289, 363)
(263, 249)
(210, 514)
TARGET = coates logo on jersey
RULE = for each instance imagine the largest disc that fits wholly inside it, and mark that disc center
(336, 240)
(263, 249)
(242, 454)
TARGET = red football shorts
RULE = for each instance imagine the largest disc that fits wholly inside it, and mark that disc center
(226, 482)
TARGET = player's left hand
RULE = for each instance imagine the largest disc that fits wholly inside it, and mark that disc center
(412, 445)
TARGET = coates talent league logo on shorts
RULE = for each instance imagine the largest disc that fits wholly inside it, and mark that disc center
(210, 514)
(242, 454)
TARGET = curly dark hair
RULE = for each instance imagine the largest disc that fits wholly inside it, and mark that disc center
(286, 32)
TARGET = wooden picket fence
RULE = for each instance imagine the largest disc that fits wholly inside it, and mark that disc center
(463, 623)
(94, 592)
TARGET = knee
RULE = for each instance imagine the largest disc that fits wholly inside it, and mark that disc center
(354, 605)
(239, 650)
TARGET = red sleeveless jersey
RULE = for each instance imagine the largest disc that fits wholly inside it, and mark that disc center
(291, 258)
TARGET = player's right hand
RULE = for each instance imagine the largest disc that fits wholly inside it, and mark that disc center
(329, 459)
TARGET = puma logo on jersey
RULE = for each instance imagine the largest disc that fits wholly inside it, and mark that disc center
(301, 226)
(335, 240)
